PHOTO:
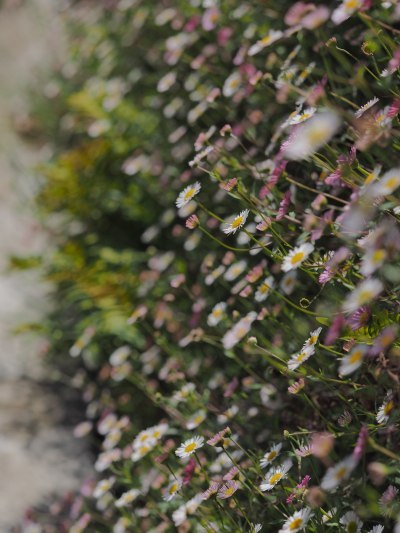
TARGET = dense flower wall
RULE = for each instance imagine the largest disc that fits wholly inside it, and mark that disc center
(226, 179)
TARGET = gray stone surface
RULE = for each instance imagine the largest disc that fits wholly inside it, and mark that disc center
(38, 454)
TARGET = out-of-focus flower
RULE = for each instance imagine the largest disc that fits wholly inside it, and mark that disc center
(310, 136)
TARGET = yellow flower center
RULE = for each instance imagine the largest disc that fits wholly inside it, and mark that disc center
(297, 522)
(355, 356)
(388, 407)
(316, 135)
(378, 255)
(173, 488)
(365, 295)
(234, 83)
(351, 4)
(144, 437)
(300, 357)
(190, 447)
(189, 194)
(313, 339)
(273, 480)
(352, 527)
(271, 455)
(265, 40)
(228, 492)
(341, 473)
(391, 183)
(264, 288)
(370, 178)
(217, 313)
(297, 258)
(237, 222)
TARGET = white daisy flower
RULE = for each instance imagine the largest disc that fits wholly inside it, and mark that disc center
(351, 522)
(189, 446)
(372, 260)
(366, 291)
(272, 36)
(385, 409)
(345, 10)
(187, 194)
(239, 330)
(296, 257)
(338, 473)
(179, 516)
(297, 521)
(309, 137)
(216, 314)
(264, 289)
(196, 419)
(172, 489)
(236, 223)
(271, 455)
(127, 497)
(302, 117)
(235, 270)
(377, 529)
(389, 182)
(275, 475)
(313, 338)
(288, 282)
(232, 84)
(298, 359)
(103, 486)
(365, 107)
(120, 355)
(193, 504)
(141, 451)
(351, 362)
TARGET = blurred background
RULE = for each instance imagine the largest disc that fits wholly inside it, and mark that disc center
(38, 454)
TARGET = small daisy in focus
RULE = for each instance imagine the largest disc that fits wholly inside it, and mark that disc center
(271, 455)
(236, 223)
(338, 473)
(172, 489)
(216, 314)
(298, 358)
(385, 409)
(309, 137)
(353, 360)
(228, 489)
(275, 475)
(296, 257)
(313, 338)
(366, 291)
(264, 288)
(297, 521)
(187, 194)
(351, 522)
(189, 446)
